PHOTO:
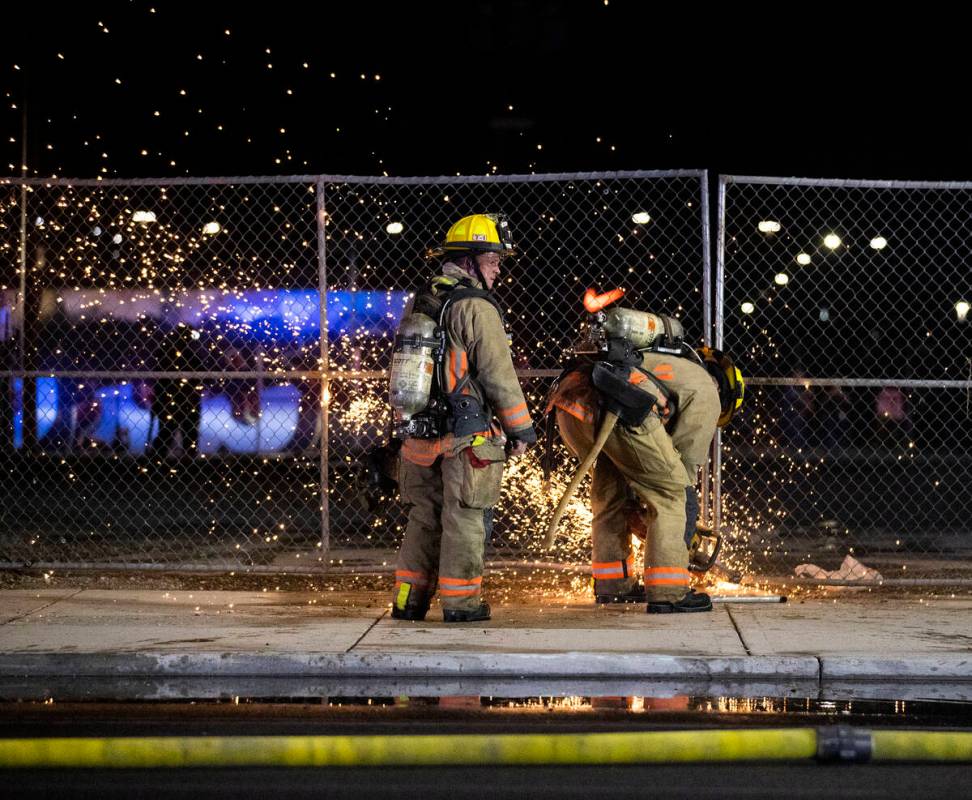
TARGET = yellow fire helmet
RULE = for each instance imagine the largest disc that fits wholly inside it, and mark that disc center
(483, 233)
(732, 387)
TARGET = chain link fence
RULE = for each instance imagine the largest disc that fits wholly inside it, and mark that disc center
(162, 365)
(173, 350)
(845, 304)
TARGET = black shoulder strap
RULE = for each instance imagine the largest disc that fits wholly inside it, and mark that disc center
(463, 292)
(669, 334)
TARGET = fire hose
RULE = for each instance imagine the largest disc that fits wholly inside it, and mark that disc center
(607, 426)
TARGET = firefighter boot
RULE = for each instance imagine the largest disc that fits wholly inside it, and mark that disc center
(693, 601)
(461, 615)
(636, 594)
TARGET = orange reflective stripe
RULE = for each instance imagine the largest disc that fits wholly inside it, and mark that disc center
(667, 576)
(603, 564)
(459, 587)
(610, 570)
(664, 372)
(515, 416)
(407, 576)
(608, 575)
(460, 581)
(577, 411)
(451, 377)
(637, 376)
(458, 367)
(463, 369)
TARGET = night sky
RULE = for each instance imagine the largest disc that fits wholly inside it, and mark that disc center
(136, 89)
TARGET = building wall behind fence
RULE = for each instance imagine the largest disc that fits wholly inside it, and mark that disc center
(843, 313)
(180, 379)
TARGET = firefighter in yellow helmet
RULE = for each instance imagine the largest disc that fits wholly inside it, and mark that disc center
(458, 426)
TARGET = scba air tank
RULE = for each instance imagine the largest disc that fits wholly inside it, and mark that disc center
(641, 328)
(413, 366)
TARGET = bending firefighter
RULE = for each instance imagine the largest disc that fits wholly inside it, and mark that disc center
(459, 411)
(643, 407)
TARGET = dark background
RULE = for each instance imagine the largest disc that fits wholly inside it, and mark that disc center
(804, 90)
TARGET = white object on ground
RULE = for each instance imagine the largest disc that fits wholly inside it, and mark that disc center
(850, 570)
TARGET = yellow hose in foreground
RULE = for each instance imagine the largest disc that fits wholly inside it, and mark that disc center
(652, 747)
(921, 746)
(379, 751)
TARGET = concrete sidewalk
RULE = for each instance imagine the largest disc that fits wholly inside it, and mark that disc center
(129, 634)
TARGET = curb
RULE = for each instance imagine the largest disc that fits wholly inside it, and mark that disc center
(946, 667)
(419, 665)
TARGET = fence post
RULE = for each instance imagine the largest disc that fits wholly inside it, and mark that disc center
(324, 369)
(706, 319)
(718, 334)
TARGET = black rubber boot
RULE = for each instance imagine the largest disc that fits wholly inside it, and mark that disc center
(636, 594)
(693, 601)
(413, 613)
(458, 615)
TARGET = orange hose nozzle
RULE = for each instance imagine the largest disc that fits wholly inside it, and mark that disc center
(595, 302)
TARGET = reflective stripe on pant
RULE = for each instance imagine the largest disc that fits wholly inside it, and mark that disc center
(459, 587)
(645, 459)
(676, 577)
(444, 536)
(612, 570)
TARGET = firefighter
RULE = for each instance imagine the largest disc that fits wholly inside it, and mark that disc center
(670, 405)
(459, 412)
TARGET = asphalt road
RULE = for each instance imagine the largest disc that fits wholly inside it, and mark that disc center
(717, 782)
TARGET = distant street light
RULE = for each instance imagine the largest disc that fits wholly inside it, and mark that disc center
(394, 228)
(769, 226)
(832, 240)
(641, 218)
